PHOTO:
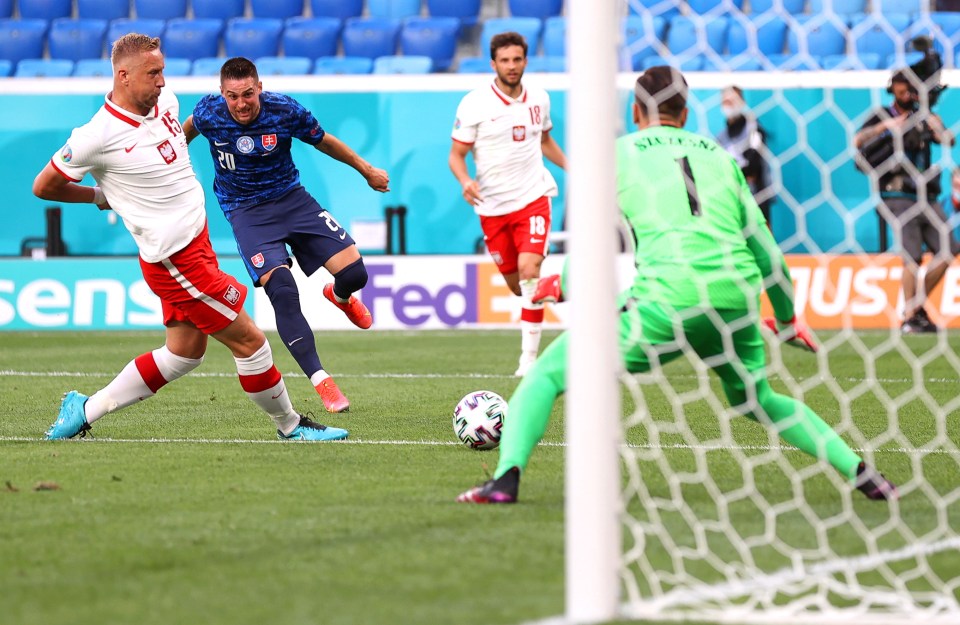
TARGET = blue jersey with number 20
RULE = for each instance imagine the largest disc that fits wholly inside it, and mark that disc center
(253, 162)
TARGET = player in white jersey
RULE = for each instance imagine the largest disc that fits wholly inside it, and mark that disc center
(507, 128)
(136, 151)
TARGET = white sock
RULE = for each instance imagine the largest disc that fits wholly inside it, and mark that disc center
(318, 377)
(140, 379)
(265, 387)
(530, 330)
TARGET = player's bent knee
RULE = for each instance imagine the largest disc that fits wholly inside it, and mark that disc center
(281, 286)
(350, 279)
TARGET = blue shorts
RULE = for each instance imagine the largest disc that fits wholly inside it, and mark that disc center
(264, 231)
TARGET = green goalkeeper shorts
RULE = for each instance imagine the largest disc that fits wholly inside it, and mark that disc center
(728, 341)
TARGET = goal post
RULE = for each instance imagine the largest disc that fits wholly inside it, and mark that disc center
(678, 508)
(593, 401)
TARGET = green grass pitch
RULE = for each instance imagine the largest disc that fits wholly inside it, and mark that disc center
(186, 509)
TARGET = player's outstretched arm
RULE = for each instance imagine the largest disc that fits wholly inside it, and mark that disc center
(377, 178)
(51, 185)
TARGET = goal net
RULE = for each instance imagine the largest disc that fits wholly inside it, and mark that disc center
(720, 521)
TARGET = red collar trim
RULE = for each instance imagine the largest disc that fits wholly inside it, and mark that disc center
(121, 114)
(507, 99)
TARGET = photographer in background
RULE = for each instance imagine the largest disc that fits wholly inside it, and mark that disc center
(894, 145)
(743, 138)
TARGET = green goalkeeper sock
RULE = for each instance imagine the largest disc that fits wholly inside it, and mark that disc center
(807, 432)
(528, 412)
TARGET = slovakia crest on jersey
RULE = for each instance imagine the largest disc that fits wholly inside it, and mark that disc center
(519, 133)
(269, 142)
(167, 152)
(257, 260)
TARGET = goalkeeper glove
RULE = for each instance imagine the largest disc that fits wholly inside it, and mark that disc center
(548, 290)
(793, 332)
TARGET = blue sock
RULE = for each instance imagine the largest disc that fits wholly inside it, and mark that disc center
(294, 330)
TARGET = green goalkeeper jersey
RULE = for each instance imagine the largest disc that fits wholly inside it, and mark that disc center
(700, 237)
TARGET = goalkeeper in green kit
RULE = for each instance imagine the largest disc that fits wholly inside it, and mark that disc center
(703, 254)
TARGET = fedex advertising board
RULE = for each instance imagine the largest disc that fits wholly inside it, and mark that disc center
(431, 292)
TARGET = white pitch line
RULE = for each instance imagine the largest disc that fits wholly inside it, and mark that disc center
(451, 443)
(446, 376)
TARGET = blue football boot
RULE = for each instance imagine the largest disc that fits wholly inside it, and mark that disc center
(71, 420)
(310, 430)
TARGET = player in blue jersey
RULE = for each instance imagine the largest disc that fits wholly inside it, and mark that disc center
(258, 186)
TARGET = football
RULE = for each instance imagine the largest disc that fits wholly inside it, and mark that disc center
(477, 419)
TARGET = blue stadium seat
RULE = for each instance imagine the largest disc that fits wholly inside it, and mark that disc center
(435, 37)
(76, 39)
(689, 35)
(771, 34)
(663, 8)
(218, 9)
(284, 65)
(949, 24)
(45, 9)
(897, 6)
(865, 60)
(793, 62)
(397, 9)
(6, 10)
(174, 66)
(207, 66)
(6, 68)
(120, 27)
(529, 27)
(541, 9)
(341, 9)
(733, 63)
(840, 7)
(103, 9)
(689, 64)
(821, 35)
(547, 64)
(878, 34)
(22, 39)
(192, 38)
(90, 68)
(252, 37)
(899, 60)
(474, 65)
(160, 9)
(44, 68)
(555, 36)
(277, 9)
(791, 7)
(642, 35)
(311, 37)
(702, 7)
(370, 37)
(402, 65)
(343, 65)
(467, 11)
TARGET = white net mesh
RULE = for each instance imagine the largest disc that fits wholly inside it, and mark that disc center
(723, 522)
